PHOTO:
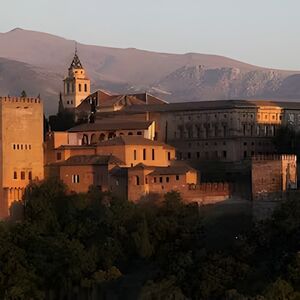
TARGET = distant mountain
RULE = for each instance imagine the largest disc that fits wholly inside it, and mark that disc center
(37, 63)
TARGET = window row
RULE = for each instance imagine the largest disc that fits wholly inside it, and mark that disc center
(95, 138)
(146, 155)
(159, 179)
(22, 175)
(81, 87)
(21, 147)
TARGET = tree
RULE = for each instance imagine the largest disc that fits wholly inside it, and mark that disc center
(23, 94)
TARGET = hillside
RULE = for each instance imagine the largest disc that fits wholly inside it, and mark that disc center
(37, 62)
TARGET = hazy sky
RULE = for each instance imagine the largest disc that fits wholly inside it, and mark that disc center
(261, 32)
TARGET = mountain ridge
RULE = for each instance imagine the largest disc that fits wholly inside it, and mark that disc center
(181, 77)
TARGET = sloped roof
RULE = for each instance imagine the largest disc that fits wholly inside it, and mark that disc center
(132, 140)
(171, 170)
(210, 105)
(128, 125)
(81, 160)
(76, 63)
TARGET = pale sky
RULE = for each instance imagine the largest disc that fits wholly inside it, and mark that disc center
(260, 32)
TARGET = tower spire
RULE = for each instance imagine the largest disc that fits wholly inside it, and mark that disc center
(76, 64)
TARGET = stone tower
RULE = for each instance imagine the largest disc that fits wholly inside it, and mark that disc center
(21, 148)
(76, 85)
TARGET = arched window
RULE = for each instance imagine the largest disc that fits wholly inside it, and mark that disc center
(101, 137)
(85, 140)
(137, 180)
(85, 87)
(111, 135)
(93, 139)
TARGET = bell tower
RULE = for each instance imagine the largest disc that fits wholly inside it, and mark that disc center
(77, 85)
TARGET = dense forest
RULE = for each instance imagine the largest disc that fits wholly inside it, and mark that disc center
(94, 246)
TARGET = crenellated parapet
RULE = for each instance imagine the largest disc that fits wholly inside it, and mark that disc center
(274, 157)
(8, 99)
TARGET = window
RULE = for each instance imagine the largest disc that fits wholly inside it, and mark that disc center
(245, 154)
(189, 155)
(29, 147)
(160, 179)
(139, 133)
(137, 180)
(85, 87)
(18, 147)
(177, 177)
(144, 154)
(30, 175)
(79, 87)
(58, 156)
(154, 179)
(198, 154)
(169, 155)
(68, 88)
(15, 175)
(153, 154)
(134, 154)
(75, 178)
(14, 146)
(22, 175)
(167, 179)
(224, 154)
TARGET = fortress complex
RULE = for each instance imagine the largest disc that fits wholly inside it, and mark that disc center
(137, 145)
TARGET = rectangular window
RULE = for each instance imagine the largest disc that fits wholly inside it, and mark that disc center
(85, 87)
(144, 154)
(169, 155)
(134, 154)
(15, 175)
(75, 178)
(177, 177)
(30, 175)
(79, 87)
(160, 179)
(153, 154)
(22, 175)
(68, 88)
(198, 154)
(154, 179)
(167, 179)
(58, 156)
(224, 154)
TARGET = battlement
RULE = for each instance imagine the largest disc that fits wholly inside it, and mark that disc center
(9, 99)
(274, 157)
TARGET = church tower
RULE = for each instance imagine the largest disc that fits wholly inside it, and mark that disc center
(76, 84)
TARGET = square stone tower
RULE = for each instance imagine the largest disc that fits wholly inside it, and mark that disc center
(21, 148)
